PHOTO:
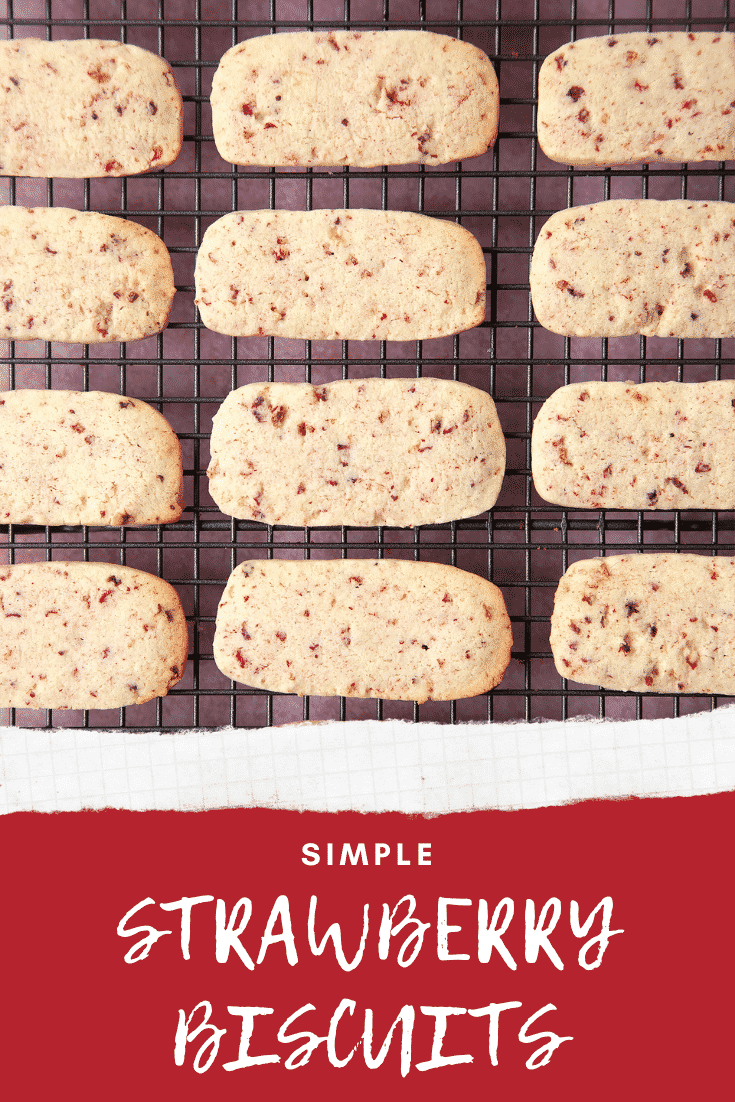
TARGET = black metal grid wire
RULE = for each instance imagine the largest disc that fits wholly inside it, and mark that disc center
(524, 544)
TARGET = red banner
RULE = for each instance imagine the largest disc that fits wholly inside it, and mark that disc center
(560, 953)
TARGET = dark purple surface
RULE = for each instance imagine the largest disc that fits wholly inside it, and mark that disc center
(503, 198)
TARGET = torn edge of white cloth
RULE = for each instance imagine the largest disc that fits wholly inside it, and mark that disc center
(368, 766)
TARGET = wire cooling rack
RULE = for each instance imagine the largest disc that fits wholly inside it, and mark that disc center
(524, 545)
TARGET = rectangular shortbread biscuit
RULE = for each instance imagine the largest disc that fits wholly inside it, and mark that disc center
(359, 452)
(86, 458)
(86, 108)
(647, 623)
(362, 628)
(637, 446)
(339, 274)
(81, 277)
(660, 268)
(87, 635)
(643, 96)
(354, 98)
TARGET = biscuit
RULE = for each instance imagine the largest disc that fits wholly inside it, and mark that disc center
(647, 623)
(637, 446)
(359, 452)
(354, 98)
(81, 277)
(86, 108)
(643, 96)
(625, 266)
(362, 628)
(87, 635)
(339, 274)
(86, 458)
